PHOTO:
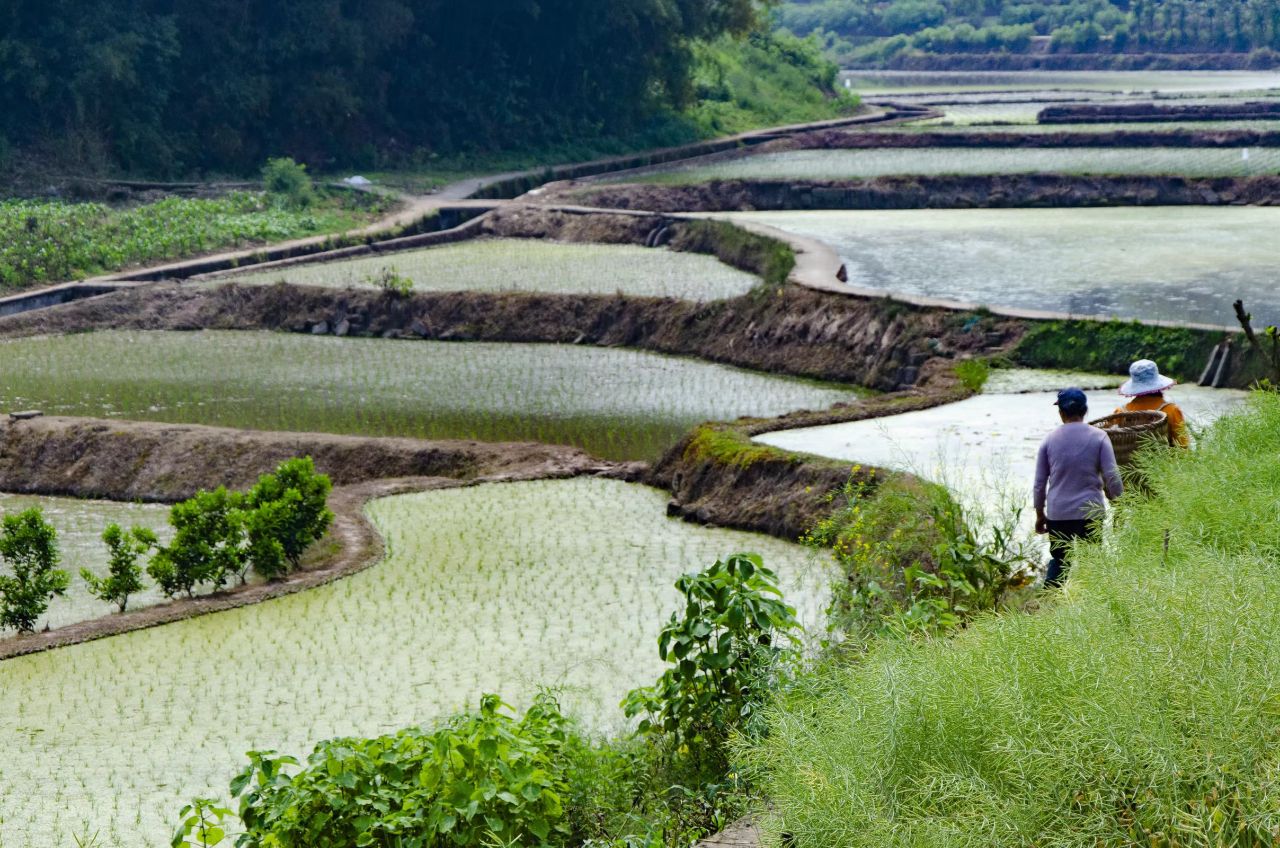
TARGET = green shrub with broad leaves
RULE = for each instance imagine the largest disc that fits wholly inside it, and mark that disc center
(480, 779)
(735, 636)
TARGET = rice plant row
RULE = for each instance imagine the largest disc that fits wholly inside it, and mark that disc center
(617, 404)
(529, 265)
(865, 164)
(497, 588)
(52, 241)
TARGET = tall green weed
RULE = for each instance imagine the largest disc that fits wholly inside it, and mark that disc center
(1140, 707)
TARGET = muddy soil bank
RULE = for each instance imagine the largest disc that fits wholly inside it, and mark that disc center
(993, 191)
(788, 330)
(717, 475)
(142, 461)
(832, 140)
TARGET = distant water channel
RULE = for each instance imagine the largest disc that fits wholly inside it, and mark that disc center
(1176, 264)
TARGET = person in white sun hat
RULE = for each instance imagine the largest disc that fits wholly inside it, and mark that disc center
(1146, 387)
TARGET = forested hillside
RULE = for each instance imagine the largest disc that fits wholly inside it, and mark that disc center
(873, 31)
(180, 86)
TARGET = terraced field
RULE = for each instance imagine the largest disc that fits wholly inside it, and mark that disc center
(1167, 82)
(530, 265)
(1153, 263)
(499, 588)
(617, 404)
(862, 164)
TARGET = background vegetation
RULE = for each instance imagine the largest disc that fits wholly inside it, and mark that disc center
(176, 86)
(868, 31)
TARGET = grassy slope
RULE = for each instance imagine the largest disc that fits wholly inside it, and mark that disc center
(1140, 707)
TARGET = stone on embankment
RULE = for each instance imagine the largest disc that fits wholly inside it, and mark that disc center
(320, 329)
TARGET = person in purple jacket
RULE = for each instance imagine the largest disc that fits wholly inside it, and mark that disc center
(1076, 475)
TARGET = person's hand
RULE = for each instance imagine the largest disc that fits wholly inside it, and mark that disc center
(1042, 526)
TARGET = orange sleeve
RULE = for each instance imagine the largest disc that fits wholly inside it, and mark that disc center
(1178, 435)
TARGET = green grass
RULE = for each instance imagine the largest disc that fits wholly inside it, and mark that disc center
(1139, 707)
(80, 524)
(531, 265)
(868, 164)
(52, 241)
(1110, 346)
(499, 588)
(617, 404)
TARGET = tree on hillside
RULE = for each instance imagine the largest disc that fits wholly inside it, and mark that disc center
(28, 545)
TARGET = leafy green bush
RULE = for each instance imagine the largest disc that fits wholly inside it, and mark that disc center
(208, 544)
(726, 651)
(29, 545)
(910, 560)
(124, 575)
(1138, 708)
(973, 373)
(288, 182)
(221, 534)
(296, 497)
(391, 282)
(480, 779)
(1111, 346)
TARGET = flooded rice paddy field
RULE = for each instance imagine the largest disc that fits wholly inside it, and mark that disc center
(616, 404)
(80, 524)
(984, 448)
(1168, 82)
(500, 588)
(865, 164)
(1151, 263)
(533, 266)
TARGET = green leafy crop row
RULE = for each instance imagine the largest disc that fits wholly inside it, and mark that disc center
(53, 241)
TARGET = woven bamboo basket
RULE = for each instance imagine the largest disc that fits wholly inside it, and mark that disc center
(1129, 431)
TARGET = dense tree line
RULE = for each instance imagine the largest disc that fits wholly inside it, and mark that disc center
(176, 85)
(877, 28)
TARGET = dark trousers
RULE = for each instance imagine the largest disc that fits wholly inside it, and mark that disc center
(1061, 535)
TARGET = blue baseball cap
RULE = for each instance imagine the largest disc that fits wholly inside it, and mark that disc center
(1072, 402)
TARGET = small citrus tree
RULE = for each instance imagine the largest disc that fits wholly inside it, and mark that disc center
(124, 574)
(28, 544)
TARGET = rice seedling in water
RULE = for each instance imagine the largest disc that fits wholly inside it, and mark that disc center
(618, 404)
(498, 588)
(531, 265)
(79, 524)
(1154, 263)
(866, 164)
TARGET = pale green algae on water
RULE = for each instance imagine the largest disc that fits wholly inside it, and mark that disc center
(1163, 263)
(615, 403)
(528, 265)
(80, 524)
(498, 588)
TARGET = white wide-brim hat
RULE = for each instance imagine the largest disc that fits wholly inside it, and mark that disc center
(1145, 379)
